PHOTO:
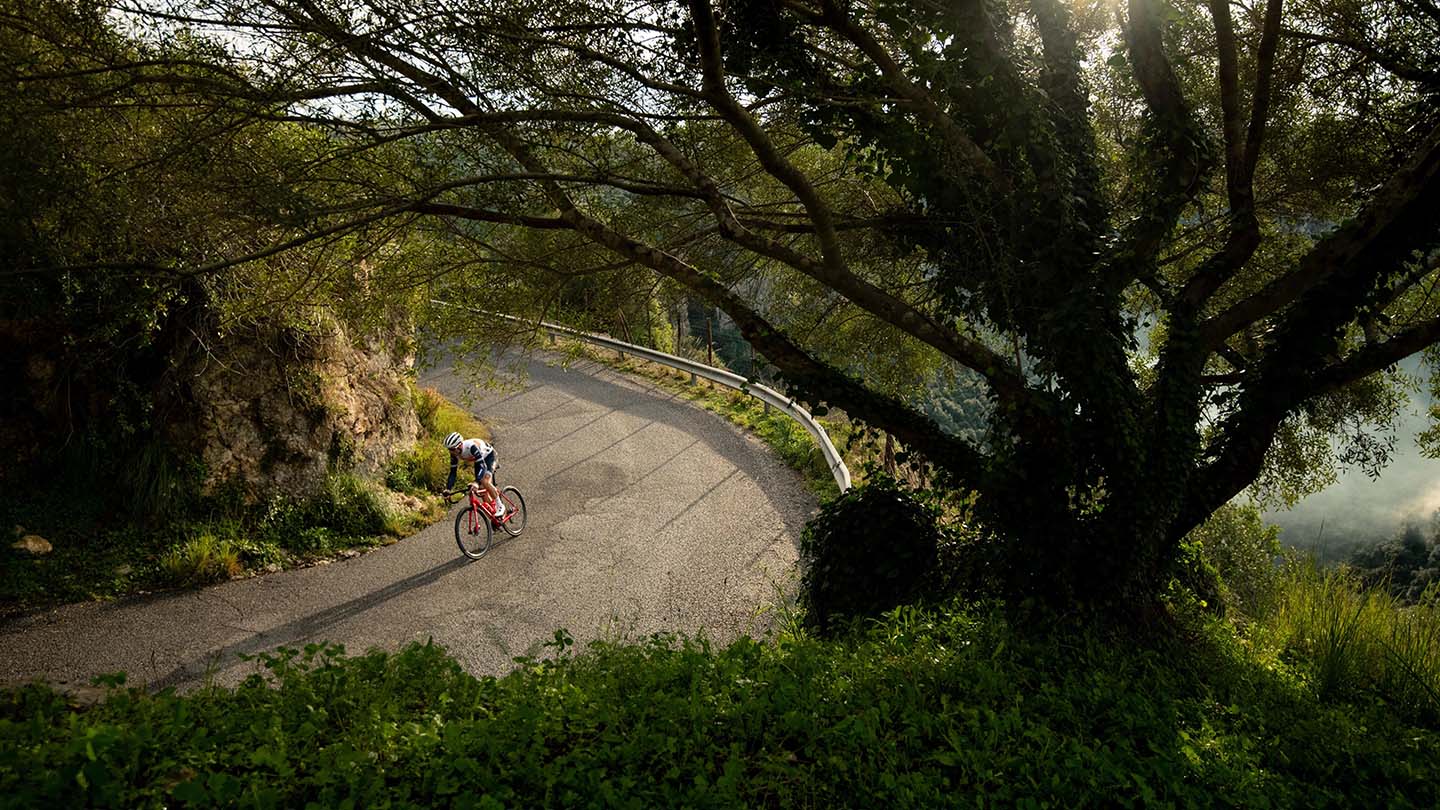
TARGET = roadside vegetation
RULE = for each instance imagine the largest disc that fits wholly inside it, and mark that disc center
(149, 527)
(954, 706)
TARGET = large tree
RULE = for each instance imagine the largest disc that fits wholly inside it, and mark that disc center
(1018, 187)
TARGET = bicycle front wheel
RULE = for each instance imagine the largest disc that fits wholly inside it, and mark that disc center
(514, 522)
(472, 532)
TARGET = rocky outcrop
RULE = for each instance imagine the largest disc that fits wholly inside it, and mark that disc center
(273, 409)
(34, 545)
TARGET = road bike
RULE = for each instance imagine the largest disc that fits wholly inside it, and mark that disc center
(475, 525)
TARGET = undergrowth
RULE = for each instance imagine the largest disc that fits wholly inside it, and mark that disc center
(953, 707)
(425, 467)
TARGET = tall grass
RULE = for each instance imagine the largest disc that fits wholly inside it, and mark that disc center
(1360, 642)
(200, 560)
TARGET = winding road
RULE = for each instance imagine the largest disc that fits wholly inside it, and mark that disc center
(645, 514)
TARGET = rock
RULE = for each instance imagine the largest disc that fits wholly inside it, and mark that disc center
(282, 409)
(274, 568)
(349, 553)
(124, 570)
(82, 695)
(34, 545)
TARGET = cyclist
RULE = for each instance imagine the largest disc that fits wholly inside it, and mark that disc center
(482, 455)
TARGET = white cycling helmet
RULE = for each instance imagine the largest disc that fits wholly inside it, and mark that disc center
(453, 441)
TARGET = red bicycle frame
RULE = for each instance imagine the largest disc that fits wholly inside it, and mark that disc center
(481, 506)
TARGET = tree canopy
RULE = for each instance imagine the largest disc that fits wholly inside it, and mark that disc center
(1020, 188)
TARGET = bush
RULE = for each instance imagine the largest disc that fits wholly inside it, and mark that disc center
(439, 417)
(872, 548)
(347, 507)
(1244, 552)
(423, 468)
(427, 408)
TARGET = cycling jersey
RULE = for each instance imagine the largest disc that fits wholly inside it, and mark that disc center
(476, 451)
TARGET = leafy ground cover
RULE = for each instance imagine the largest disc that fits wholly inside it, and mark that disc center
(957, 706)
(180, 538)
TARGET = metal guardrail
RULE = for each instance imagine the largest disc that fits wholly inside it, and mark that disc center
(761, 392)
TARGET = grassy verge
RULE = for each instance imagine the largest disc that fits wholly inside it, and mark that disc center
(1362, 644)
(791, 442)
(950, 708)
(101, 551)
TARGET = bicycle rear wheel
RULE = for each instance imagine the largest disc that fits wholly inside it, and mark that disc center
(472, 536)
(515, 504)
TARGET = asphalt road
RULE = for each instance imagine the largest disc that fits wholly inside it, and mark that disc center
(645, 514)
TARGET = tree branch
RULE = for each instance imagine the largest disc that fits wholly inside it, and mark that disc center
(960, 144)
(1397, 216)
(1187, 158)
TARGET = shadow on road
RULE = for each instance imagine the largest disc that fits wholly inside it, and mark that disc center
(303, 629)
(665, 408)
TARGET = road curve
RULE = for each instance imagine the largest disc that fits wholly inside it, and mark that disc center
(645, 514)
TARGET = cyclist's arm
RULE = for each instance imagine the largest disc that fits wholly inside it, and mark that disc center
(454, 465)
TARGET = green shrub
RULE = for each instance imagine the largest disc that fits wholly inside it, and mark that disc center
(1244, 552)
(422, 468)
(425, 467)
(872, 548)
(349, 505)
(439, 417)
(427, 407)
(346, 509)
(200, 560)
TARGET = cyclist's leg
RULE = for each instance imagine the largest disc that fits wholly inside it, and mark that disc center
(484, 474)
(489, 479)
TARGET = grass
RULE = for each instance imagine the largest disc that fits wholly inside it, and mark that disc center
(201, 560)
(955, 707)
(1359, 643)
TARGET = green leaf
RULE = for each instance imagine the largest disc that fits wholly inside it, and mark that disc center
(192, 792)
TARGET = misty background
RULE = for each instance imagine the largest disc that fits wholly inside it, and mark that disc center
(1357, 511)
